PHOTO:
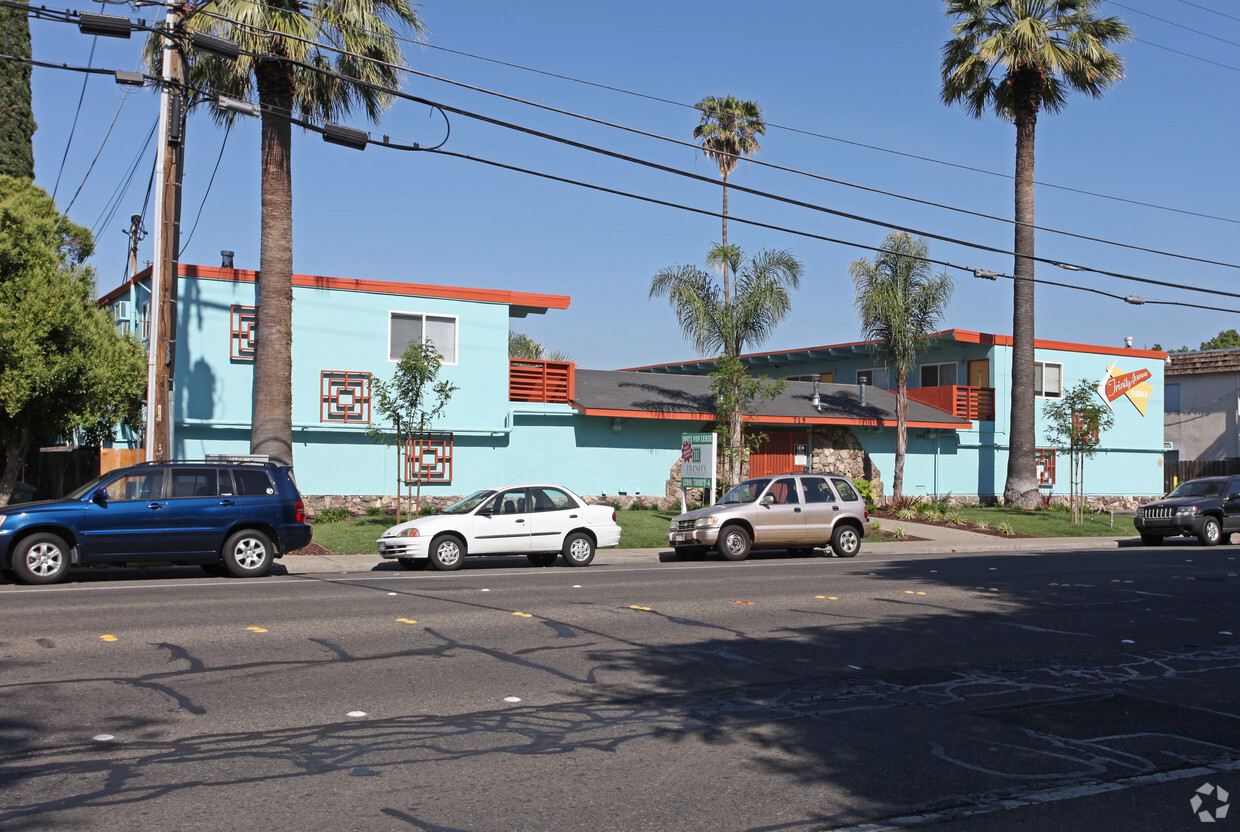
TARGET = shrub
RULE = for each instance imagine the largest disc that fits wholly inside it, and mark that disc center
(906, 502)
(426, 510)
(981, 527)
(616, 505)
(375, 511)
(1006, 528)
(332, 515)
(866, 489)
(906, 513)
(899, 533)
(876, 526)
(955, 518)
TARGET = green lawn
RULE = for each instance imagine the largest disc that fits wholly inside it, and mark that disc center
(1048, 523)
(648, 529)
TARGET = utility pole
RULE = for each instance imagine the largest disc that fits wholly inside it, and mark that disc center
(161, 349)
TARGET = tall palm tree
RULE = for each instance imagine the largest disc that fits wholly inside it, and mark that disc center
(900, 301)
(716, 327)
(1020, 57)
(729, 130)
(276, 36)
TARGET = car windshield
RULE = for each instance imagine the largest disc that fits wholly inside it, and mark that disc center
(1198, 488)
(746, 492)
(82, 490)
(468, 504)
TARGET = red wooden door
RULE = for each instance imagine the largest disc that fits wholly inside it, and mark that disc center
(776, 454)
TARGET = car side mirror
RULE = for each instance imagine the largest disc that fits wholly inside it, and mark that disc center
(100, 497)
(1234, 496)
(767, 500)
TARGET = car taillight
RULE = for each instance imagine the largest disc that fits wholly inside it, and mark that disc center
(299, 509)
(613, 515)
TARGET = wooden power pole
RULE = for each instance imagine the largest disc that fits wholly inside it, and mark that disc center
(161, 347)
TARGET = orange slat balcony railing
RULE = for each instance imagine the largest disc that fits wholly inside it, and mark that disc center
(975, 403)
(540, 381)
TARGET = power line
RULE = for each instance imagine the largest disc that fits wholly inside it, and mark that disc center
(1211, 11)
(811, 134)
(207, 193)
(591, 148)
(1173, 23)
(757, 162)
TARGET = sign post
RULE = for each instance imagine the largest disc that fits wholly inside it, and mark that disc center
(697, 464)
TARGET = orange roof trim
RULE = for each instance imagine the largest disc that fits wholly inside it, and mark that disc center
(528, 299)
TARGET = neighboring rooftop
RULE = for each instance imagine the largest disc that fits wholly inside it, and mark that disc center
(788, 359)
(1196, 363)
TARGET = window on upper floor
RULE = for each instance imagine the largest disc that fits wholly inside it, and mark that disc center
(875, 377)
(407, 327)
(1047, 380)
(1171, 398)
(938, 375)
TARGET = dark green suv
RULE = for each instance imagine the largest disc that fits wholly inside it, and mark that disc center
(232, 518)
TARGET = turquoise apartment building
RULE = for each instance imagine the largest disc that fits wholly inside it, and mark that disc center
(608, 433)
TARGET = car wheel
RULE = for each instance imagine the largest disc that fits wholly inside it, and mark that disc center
(542, 558)
(248, 554)
(845, 541)
(734, 543)
(41, 559)
(1211, 531)
(1152, 539)
(578, 549)
(447, 553)
(687, 553)
(413, 564)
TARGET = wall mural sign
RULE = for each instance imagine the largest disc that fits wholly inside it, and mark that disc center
(1117, 383)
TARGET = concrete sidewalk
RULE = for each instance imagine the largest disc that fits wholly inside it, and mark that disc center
(935, 540)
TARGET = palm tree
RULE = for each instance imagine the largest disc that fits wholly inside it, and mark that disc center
(729, 130)
(280, 40)
(900, 301)
(521, 345)
(1020, 57)
(717, 327)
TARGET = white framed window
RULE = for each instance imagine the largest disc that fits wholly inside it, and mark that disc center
(1048, 380)
(938, 375)
(406, 327)
(875, 377)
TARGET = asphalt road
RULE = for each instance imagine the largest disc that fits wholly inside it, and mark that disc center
(1006, 691)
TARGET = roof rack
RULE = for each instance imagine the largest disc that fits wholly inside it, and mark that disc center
(213, 459)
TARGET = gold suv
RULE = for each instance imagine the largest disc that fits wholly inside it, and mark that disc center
(797, 512)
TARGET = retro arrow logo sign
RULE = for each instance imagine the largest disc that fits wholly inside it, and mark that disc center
(1117, 383)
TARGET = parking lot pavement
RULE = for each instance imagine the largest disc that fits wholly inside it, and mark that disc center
(933, 540)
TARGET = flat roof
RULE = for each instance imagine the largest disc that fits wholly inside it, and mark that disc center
(520, 303)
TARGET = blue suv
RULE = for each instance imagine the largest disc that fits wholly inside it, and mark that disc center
(232, 518)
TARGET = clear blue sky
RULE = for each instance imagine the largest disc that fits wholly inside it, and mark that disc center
(854, 74)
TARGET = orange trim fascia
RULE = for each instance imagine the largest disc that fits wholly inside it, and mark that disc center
(538, 301)
(390, 287)
(764, 420)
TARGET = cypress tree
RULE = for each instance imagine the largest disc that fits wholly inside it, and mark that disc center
(16, 114)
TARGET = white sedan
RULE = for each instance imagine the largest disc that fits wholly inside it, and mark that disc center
(539, 521)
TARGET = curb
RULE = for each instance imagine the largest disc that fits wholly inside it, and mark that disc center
(315, 564)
